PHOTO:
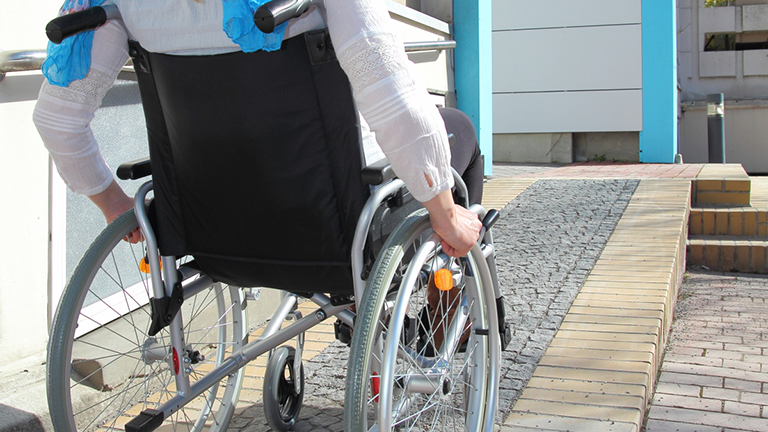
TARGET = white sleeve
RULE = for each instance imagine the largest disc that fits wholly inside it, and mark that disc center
(63, 114)
(394, 103)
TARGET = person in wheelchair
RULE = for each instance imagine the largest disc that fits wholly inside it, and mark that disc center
(257, 145)
(400, 118)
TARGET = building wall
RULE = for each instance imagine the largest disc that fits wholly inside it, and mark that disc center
(736, 74)
(575, 68)
(746, 134)
(741, 75)
(562, 67)
(25, 186)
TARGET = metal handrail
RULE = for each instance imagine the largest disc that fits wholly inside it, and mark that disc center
(430, 46)
(31, 60)
(20, 60)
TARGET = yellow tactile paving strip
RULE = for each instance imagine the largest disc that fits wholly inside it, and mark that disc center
(599, 371)
(497, 193)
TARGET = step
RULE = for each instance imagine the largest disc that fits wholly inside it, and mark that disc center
(722, 184)
(731, 221)
(729, 253)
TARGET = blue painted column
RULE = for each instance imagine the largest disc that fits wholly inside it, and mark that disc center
(474, 69)
(658, 139)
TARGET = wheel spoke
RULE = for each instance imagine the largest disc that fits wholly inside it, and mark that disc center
(131, 371)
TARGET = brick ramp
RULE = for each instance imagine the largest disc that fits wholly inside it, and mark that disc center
(600, 369)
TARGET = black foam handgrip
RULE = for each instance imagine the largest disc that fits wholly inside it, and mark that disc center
(276, 12)
(67, 25)
(490, 219)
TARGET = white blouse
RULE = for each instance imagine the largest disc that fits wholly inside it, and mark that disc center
(394, 104)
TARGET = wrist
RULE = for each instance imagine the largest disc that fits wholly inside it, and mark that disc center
(441, 208)
(112, 201)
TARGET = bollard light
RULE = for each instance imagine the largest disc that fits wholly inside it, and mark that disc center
(716, 127)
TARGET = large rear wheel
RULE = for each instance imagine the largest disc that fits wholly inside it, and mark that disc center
(423, 339)
(104, 369)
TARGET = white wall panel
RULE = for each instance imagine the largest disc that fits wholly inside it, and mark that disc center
(586, 111)
(584, 58)
(527, 14)
(717, 64)
(755, 17)
(717, 20)
(755, 62)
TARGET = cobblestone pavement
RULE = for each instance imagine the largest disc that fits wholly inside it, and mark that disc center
(548, 240)
(714, 376)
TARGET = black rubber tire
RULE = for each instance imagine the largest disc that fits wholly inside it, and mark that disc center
(281, 403)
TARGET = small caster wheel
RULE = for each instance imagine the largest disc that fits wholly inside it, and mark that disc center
(281, 402)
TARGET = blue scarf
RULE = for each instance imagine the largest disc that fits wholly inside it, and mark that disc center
(71, 59)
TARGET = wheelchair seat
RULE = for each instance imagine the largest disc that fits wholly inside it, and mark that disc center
(257, 172)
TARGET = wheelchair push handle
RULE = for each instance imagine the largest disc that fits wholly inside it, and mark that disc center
(272, 14)
(68, 25)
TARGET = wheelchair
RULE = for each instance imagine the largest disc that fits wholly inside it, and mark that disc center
(155, 335)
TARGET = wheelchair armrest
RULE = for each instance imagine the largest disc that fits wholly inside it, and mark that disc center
(377, 173)
(134, 170)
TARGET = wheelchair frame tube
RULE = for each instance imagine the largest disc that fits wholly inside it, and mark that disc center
(162, 286)
(140, 209)
(249, 352)
(361, 232)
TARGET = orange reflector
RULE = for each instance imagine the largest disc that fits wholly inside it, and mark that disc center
(175, 362)
(144, 265)
(444, 280)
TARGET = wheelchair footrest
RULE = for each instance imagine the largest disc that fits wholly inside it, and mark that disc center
(147, 420)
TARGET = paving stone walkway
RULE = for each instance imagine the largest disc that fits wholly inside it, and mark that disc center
(714, 377)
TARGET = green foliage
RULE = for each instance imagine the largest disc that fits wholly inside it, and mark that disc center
(598, 158)
(717, 3)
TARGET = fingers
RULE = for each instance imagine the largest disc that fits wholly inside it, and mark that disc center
(134, 236)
